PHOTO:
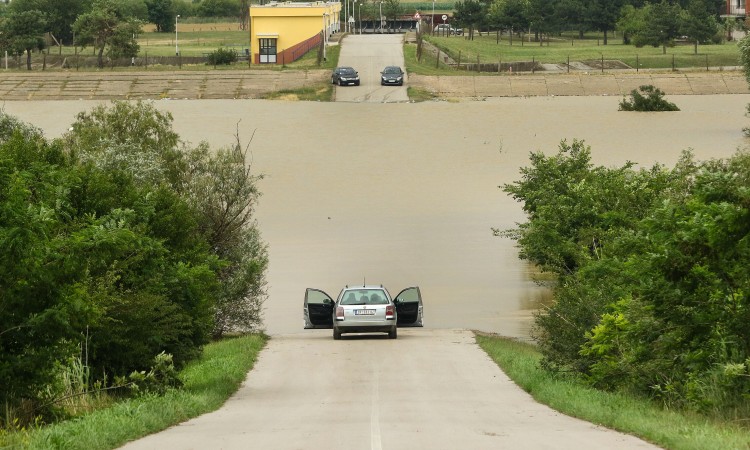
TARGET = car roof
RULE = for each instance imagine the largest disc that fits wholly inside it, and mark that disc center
(363, 286)
(344, 68)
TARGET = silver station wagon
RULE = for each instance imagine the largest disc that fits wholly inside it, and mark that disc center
(363, 309)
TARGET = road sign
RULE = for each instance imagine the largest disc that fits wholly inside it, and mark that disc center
(445, 17)
(417, 16)
(351, 19)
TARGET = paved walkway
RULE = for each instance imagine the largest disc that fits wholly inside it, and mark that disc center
(232, 84)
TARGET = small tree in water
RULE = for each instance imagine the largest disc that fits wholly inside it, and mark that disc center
(653, 100)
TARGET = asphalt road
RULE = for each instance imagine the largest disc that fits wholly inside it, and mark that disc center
(369, 54)
(430, 389)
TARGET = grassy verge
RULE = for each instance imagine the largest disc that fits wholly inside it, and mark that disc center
(312, 94)
(428, 65)
(209, 381)
(632, 415)
(488, 50)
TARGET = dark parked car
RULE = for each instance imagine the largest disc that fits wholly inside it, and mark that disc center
(344, 75)
(363, 309)
(392, 75)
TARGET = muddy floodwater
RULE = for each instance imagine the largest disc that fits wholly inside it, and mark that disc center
(407, 194)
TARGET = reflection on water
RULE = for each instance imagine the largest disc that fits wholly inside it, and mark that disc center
(407, 194)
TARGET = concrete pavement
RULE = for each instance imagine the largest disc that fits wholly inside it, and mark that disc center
(244, 84)
(430, 389)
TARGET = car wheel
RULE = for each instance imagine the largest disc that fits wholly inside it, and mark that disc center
(357, 83)
(341, 83)
(336, 334)
(393, 334)
(333, 81)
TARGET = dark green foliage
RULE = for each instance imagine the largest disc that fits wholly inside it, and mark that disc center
(23, 32)
(59, 14)
(112, 241)
(218, 8)
(653, 100)
(104, 27)
(652, 274)
(222, 56)
(163, 14)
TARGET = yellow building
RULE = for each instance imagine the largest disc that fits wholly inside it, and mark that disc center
(281, 32)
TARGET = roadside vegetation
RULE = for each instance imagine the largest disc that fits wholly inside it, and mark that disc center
(668, 428)
(125, 252)
(207, 383)
(650, 263)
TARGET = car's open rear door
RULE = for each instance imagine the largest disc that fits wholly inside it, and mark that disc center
(409, 307)
(318, 311)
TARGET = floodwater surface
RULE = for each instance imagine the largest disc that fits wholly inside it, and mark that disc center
(407, 194)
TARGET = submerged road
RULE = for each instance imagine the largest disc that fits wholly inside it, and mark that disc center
(369, 54)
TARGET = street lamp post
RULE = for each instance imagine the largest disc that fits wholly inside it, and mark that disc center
(176, 47)
(360, 16)
(380, 5)
(432, 17)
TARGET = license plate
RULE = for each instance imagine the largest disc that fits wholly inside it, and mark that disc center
(364, 312)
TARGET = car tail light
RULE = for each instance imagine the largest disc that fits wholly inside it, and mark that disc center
(389, 312)
(339, 313)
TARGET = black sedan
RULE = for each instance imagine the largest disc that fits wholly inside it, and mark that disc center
(392, 75)
(344, 76)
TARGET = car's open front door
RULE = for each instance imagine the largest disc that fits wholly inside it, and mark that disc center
(409, 307)
(318, 311)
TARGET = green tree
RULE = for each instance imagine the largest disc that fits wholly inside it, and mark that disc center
(509, 15)
(603, 15)
(470, 14)
(698, 23)
(132, 9)
(392, 9)
(102, 27)
(631, 22)
(661, 27)
(541, 17)
(162, 13)
(23, 32)
(218, 8)
(60, 15)
(573, 14)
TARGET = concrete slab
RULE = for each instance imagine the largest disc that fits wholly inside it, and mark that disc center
(528, 85)
(706, 83)
(676, 84)
(496, 86)
(600, 85)
(565, 85)
(736, 83)
(630, 82)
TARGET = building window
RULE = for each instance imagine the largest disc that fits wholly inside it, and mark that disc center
(267, 51)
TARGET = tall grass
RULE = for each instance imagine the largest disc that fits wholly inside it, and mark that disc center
(208, 382)
(630, 414)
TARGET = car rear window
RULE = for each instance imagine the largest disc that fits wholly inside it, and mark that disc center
(364, 297)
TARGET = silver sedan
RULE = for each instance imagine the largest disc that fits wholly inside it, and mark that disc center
(363, 309)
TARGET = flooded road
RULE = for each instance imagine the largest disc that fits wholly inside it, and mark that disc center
(406, 194)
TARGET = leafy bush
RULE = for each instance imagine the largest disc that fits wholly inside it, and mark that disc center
(652, 101)
(222, 56)
(112, 236)
(651, 292)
